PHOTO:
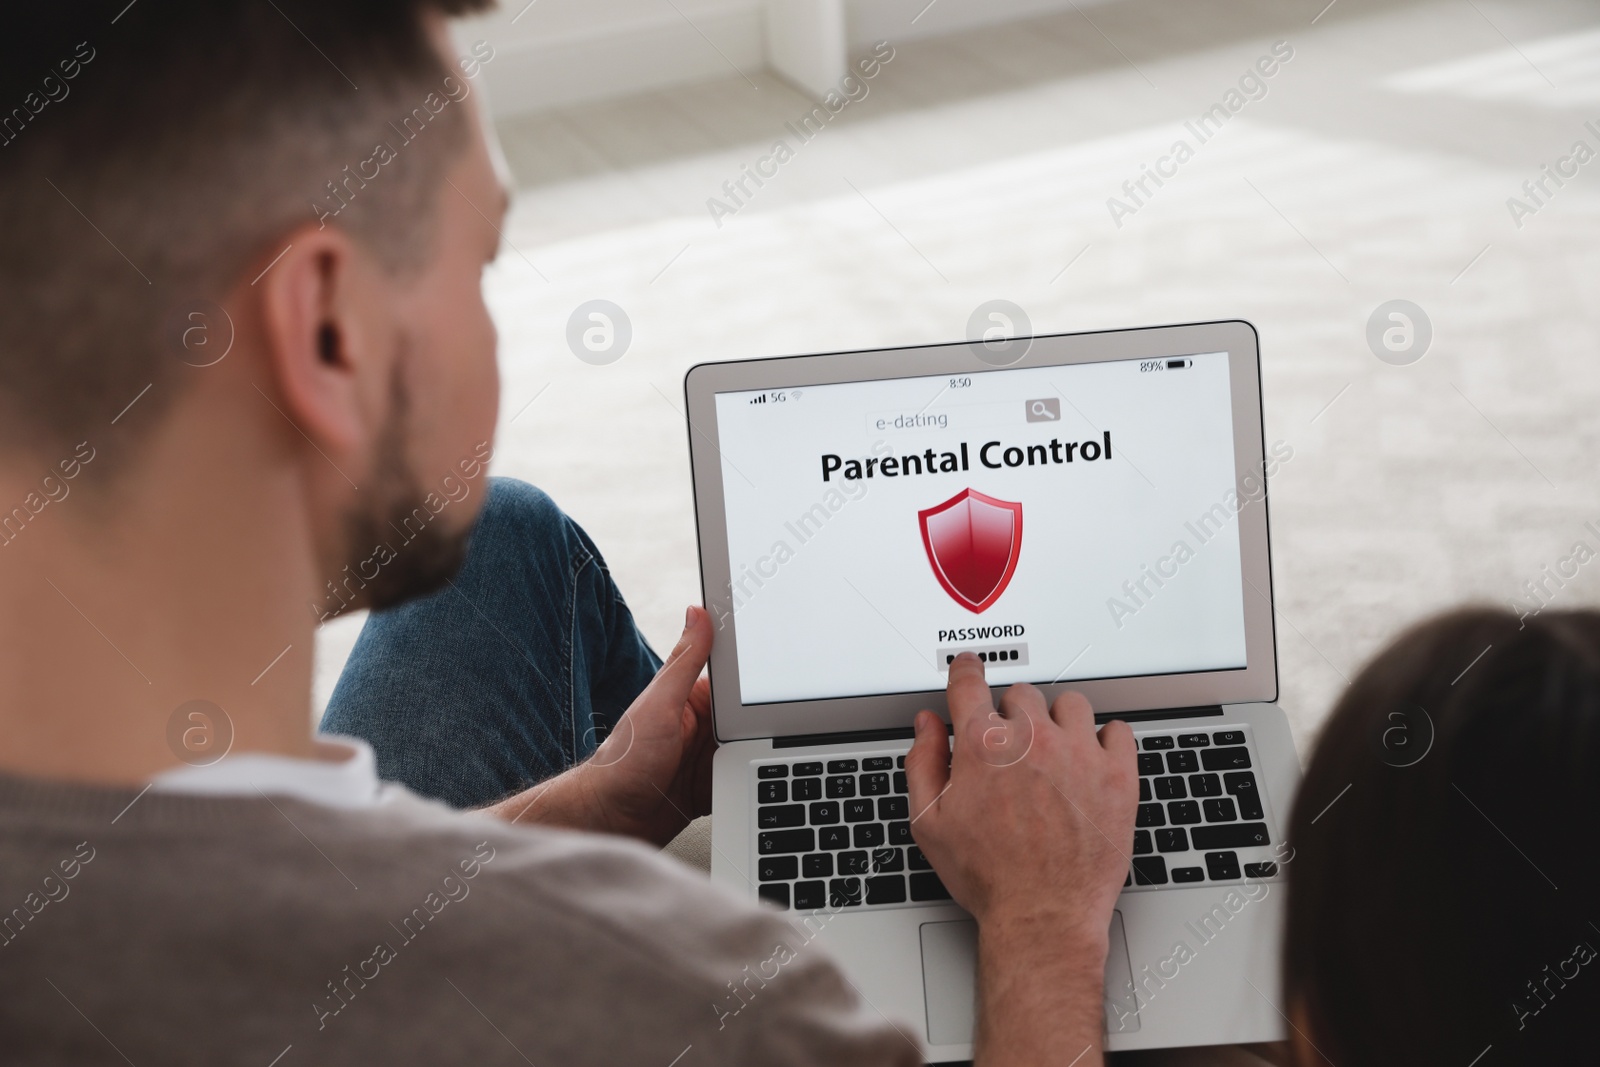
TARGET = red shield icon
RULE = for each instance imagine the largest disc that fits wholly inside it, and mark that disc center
(973, 542)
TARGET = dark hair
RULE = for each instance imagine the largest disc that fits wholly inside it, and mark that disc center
(1444, 884)
(150, 151)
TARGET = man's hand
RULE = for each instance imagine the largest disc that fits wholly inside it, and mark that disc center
(1029, 823)
(653, 773)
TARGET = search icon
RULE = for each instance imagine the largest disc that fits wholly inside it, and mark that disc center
(1047, 409)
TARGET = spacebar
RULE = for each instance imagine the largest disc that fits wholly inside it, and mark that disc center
(1237, 835)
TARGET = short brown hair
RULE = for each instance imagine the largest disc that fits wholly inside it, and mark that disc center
(149, 151)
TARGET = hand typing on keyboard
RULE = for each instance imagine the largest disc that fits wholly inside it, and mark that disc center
(1028, 822)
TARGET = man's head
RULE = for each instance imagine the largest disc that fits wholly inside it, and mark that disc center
(304, 186)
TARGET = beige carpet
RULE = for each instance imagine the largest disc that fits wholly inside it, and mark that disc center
(1376, 166)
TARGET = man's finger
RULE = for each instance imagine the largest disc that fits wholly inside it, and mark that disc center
(928, 763)
(676, 678)
(1022, 700)
(967, 693)
(1116, 737)
(1073, 713)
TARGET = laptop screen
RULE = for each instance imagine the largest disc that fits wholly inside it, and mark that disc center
(1064, 523)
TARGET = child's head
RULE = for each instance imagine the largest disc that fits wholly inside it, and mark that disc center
(1448, 899)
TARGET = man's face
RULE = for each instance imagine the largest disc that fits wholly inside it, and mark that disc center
(428, 477)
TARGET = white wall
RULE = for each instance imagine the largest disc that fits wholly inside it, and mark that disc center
(567, 51)
(555, 52)
(870, 21)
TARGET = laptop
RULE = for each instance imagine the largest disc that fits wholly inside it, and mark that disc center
(1083, 511)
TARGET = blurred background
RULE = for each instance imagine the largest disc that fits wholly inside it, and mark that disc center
(1384, 159)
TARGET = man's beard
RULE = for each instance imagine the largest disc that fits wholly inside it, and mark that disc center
(423, 560)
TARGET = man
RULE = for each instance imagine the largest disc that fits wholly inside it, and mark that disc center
(245, 367)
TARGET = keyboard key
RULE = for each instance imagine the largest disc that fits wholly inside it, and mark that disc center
(868, 835)
(808, 788)
(773, 770)
(776, 893)
(1184, 812)
(1144, 790)
(887, 860)
(778, 816)
(1193, 741)
(1149, 870)
(1188, 874)
(858, 811)
(928, 887)
(774, 842)
(1172, 839)
(1261, 870)
(1150, 763)
(893, 808)
(1181, 762)
(900, 785)
(1250, 806)
(916, 860)
(825, 813)
(841, 786)
(817, 865)
(878, 763)
(773, 792)
(874, 785)
(842, 766)
(853, 863)
(1150, 815)
(1141, 843)
(1222, 866)
(810, 895)
(1228, 737)
(1225, 759)
(844, 892)
(1205, 785)
(900, 761)
(1240, 782)
(1127, 880)
(900, 833)
(1220, 810)
(833, 837)
(803, 769)
(1153, 743)
(777, 868)
(1171, 789)
(1230, 835)
(886, 889)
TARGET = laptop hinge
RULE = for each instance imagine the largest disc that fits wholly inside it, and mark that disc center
(905, 733)
(1102, 717)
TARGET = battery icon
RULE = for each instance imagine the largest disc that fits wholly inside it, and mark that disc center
(1179, 364)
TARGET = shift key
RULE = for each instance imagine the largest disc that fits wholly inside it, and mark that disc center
(1234, 835)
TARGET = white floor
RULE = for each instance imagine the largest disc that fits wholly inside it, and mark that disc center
(1377, 166)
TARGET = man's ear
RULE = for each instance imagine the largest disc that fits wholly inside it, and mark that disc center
(318, 307)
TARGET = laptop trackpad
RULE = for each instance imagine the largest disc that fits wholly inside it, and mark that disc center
(949, 978)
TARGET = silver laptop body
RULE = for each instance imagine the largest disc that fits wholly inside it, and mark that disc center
(1084, 511)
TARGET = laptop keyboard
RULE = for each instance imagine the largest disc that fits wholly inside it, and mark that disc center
(836, 833)
(1201, 815)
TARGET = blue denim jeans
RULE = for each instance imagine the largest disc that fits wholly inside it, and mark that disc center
(510, 674)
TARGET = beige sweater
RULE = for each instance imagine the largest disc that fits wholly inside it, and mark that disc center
(199, 930)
